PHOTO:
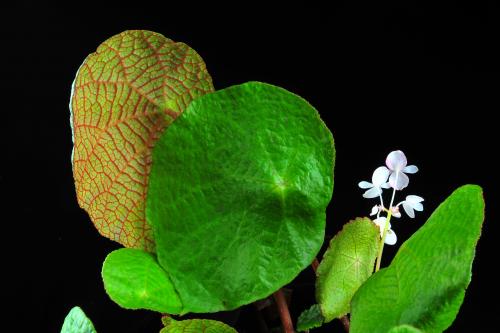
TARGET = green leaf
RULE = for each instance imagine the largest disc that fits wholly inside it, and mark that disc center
(239, 209)
(123, 97)
(405, 329)
(346, 265)
(77, 322)
(310, 318)
(196, 326)
(134, 280)
(425, 284)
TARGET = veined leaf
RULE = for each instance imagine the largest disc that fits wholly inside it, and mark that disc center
(310, 318)
(239, 211)
(425, 284)
(134, 280)
(346, 265)
(196, 326)
(77, 322)
(123, 97)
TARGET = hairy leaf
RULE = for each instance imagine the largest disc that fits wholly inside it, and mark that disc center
(123, 97)
(425, 284)
(310, 318)
(134, 280)
(77, 322)
(346, 265)
(196, 326)
(239, 211)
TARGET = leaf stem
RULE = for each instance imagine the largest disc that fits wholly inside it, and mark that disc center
(315, 264)
(386, 227)
(286, 320)
(260, 320)
(345, 322)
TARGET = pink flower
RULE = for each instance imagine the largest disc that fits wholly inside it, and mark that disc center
(396, 162)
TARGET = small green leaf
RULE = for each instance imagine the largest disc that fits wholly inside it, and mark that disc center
(310, 318)
(404, 329)
(123, 97)
(238, 210)
(196, 326)
(134, 280)
(346, 265)
(425, 284)
(77, 322)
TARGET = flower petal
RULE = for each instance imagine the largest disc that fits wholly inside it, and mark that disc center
(385, 185)
(372, 193)
(380, 222)
(414, 201)
(374, 210)
(418, 206)
(396, 212)
(396, 160)
(390, 237)
(380, 176)
(414, 198)
(410, 169)
(408, 209)
(365, 185)
(401, 182)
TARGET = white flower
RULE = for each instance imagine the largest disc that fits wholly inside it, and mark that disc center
(390, 237)
(395, 212)
(375, 210)
(412, 202)
(396, 162)
(379, 181)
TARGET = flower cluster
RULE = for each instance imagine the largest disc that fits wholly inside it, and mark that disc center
(393, 175)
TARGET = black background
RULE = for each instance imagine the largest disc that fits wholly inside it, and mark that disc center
(383, 77)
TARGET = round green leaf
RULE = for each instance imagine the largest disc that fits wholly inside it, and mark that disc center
(134, 280)
(238, 208)
(196, 326)
(425, 284)
(346, 265)
(77, 322)
(123, 97)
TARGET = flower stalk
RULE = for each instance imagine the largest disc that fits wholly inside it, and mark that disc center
(393, 175)
(382, 241)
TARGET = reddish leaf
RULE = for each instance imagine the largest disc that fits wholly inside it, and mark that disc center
(124, 95)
